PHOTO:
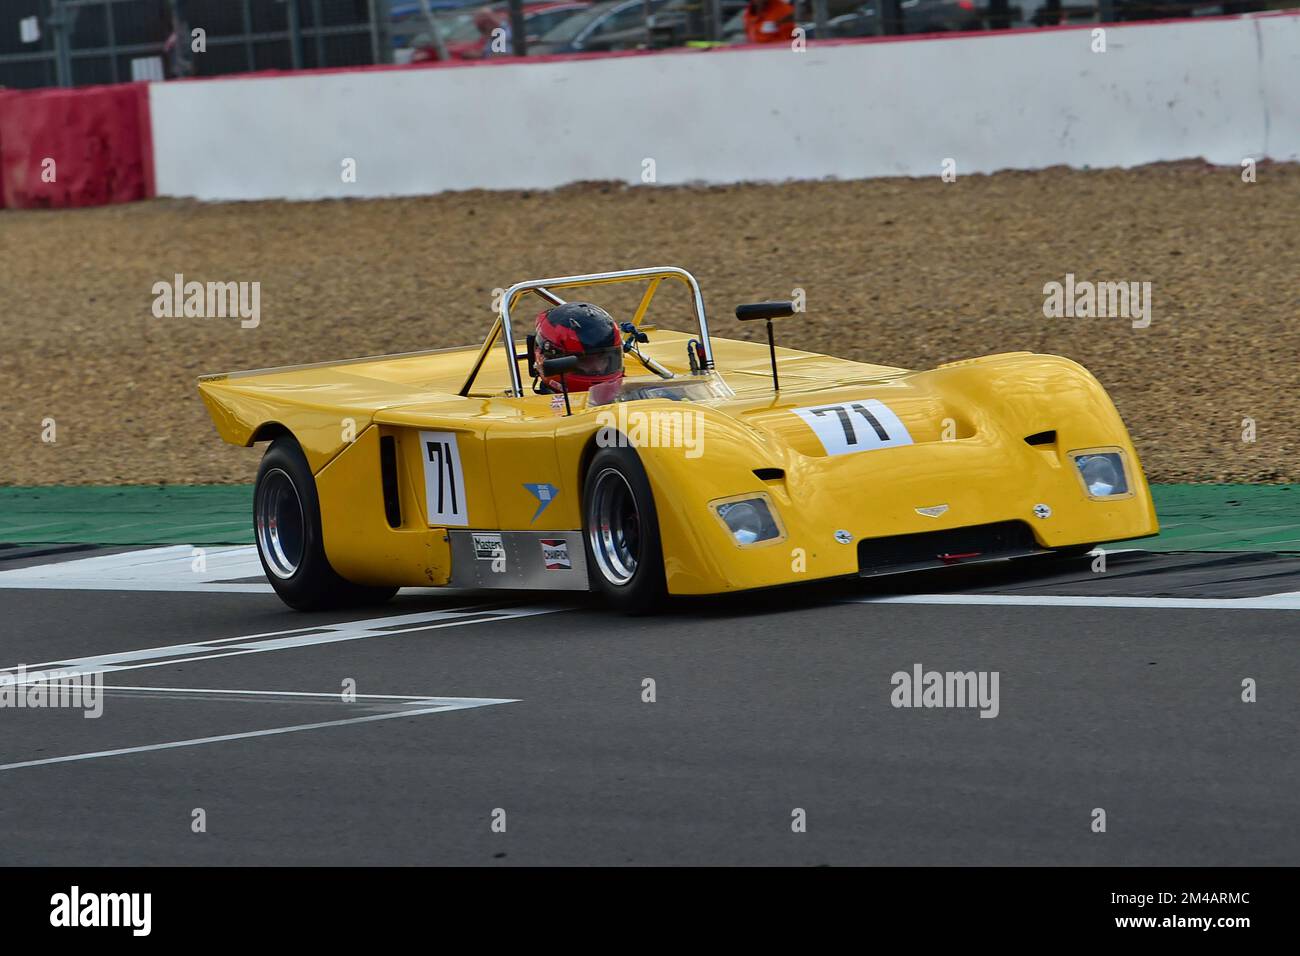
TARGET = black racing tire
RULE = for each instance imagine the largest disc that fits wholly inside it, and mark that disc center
(620, 533)
(287, 530)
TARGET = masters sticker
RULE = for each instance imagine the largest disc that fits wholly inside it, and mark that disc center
(555, 555)
(488, 546)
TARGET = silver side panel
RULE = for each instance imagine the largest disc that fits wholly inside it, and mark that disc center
(520, 560)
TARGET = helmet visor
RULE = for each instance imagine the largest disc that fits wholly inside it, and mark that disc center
(600, 362)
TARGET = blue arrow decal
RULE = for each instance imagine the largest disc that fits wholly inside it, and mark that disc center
(544, 493)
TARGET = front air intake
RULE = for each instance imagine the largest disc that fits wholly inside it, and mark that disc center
(937, 549)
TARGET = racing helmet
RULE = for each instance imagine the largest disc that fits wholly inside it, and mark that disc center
(584, 330)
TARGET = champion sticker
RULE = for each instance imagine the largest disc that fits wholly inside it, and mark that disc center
(488, 546)
(555, 555)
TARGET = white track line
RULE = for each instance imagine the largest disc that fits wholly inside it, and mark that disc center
(148, 569)
(443, 704)
(278, 640)
(1273, 602)
(287, 696)
(167, 569)
(331, 695)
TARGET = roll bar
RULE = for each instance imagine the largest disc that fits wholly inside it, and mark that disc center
(546, 288)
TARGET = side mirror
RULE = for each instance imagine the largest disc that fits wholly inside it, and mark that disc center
(561, 366)
(768, 311)
(530, 344)
(764, 310)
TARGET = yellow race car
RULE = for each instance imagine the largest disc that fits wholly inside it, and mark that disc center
(722, 465)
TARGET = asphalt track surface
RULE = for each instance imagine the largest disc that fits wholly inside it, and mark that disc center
(1118, 690)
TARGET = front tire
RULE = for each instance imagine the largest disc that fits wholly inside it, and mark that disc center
(620, 532)
(287, 529)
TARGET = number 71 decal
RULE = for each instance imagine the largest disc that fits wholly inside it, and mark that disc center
(855, 426)
(444, 480)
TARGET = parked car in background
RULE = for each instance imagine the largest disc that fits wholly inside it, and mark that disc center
(1177, 9)
(461, 36)
(679, 22)
(406, 22)
(919, 16)
(733, 31)
(542, 18)
(612, 25)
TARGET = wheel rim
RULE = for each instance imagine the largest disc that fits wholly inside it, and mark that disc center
(614, 527)
(281, 528)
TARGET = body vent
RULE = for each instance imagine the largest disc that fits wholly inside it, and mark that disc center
(388, 480)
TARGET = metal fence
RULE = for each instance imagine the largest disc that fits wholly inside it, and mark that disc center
(82, 42)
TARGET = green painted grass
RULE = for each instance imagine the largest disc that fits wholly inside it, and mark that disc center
(1226, 518)
(1192, 517)
(127, 514)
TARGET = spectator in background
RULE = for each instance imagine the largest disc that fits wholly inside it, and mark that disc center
(769, 21)
(176, 49)
(488, 23)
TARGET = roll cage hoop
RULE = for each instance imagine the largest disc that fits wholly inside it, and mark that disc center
(546, 289)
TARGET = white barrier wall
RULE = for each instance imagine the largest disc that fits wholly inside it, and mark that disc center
(1279, 81)
(1220, 89)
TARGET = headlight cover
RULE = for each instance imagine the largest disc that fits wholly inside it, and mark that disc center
(749, 519)
(1102, 472)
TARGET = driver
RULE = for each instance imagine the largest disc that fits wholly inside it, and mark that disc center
(589, 332)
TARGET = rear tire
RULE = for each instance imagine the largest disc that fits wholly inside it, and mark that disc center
(287, 529)
(620, 532)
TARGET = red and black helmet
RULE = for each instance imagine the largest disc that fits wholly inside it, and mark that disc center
(584, 330)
